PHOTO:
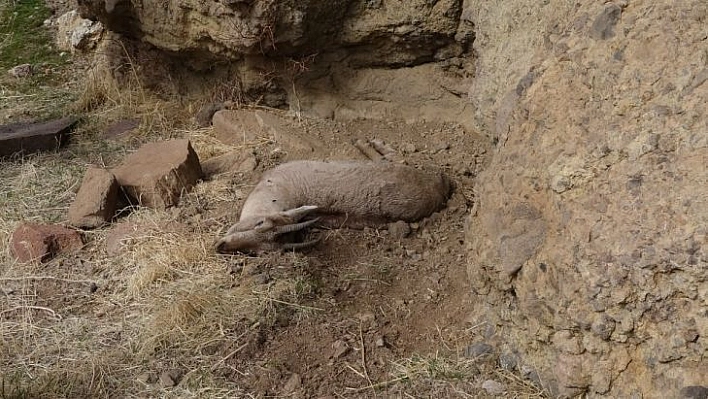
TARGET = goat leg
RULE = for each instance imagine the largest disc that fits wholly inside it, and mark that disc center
(384, 149)
(300, 245)
(368, 150)
(289, 228)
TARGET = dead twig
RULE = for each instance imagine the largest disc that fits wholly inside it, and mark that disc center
(225, 358)
(46, 278)
(295, 305)
(48, 310)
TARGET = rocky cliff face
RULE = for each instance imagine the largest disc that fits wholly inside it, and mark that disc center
(404, 32)
(592, 224)
(339, 59)
(588, 242)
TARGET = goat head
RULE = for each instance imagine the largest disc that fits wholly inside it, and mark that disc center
(267, 232)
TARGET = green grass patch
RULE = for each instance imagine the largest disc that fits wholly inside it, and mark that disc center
(23, 37)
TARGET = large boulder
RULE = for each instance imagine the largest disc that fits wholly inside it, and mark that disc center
(96, 201)
(234, 28)
(589, 242)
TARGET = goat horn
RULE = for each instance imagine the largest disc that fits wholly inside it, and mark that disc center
(300, 245)
(301, 212)
(289, 228)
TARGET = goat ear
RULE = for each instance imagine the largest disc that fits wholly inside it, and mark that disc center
(298, 213)
(264, 224)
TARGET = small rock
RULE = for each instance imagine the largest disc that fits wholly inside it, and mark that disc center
(21, 71)
(567, 343)
(76, 33)
(381, 341)
(206, 113)
(261, 278)
(478, 349)
(441, 147)
(147, 378)
(340, 349)
(531, 374)
(116, 237)
(294, 383)
(408, 148)
(166, 380)
(508, 361)
(156, 175)
(95, 203)
(399, 229)
(603, 327)
(493, 387)
(41, 242)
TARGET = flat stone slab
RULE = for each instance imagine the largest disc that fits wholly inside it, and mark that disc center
(95, 203)
(235, 127)
(156, 175)
(121, 127)
(33, 242)
(231, 162)
(30, 137)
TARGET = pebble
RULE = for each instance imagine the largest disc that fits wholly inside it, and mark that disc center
(408, 148)
(478, 349)
(166, 380)
(508, 361)
(340, 348)
(399, 229)
(493, 387)
(146, 378)
(380, 341)
(294, 383)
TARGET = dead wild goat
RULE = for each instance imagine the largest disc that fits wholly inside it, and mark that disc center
(356, 194)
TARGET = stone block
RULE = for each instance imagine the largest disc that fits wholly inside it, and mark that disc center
(156, 175)
(95, 203)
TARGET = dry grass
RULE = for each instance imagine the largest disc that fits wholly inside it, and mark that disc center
(163, 303)
(160, 303)
(457, 376)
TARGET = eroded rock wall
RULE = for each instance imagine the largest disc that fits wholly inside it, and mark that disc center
(379, 32)
(338, 59)
(588, 248)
